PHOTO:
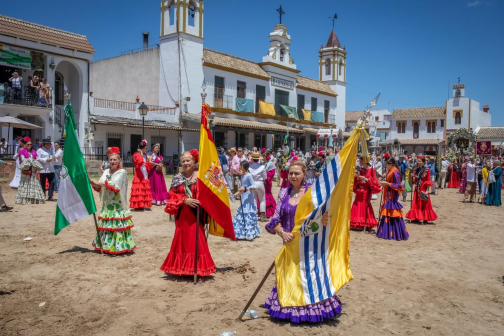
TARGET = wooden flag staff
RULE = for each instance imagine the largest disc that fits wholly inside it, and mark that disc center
(197, 241)
(256, 291)
(98, 233)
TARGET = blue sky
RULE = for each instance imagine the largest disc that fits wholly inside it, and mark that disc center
(408, 50)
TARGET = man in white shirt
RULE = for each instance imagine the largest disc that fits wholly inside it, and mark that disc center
(471, 181)
(47, 161)
(58, 160)
(444, 170)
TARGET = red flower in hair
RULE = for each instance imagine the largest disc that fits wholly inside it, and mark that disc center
(26, 139)
(386, 156)
(144, 142)
(294, 158)
(115, 150)
(263, 150)
(195, 155)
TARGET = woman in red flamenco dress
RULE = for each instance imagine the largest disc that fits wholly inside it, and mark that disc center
(454, 181)
(141, 197)
(365, 185)
(421, 209)
(183, 205)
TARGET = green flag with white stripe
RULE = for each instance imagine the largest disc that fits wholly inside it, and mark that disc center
(75, 197)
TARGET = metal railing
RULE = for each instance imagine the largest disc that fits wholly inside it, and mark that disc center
(224, 101)
(27, 97)
(114, 104)
(93, 153)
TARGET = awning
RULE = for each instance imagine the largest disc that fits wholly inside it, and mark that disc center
(317, 116)
(405, 142)
(291, 111)
(127, 122)
(243, 124)
(310, 130)
(267, 108)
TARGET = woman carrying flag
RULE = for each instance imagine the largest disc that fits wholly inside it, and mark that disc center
(141, 197)
(182, 204)
(114, 221)
(421, 208)
(392, 225)
(282, 224)
(365, 185)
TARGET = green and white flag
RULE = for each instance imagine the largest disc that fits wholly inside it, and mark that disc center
(75, 197)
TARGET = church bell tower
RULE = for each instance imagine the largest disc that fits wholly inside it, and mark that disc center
(181, 55)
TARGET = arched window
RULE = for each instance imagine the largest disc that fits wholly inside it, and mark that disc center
(458, 118)
(416, 129)
(328, 67)
(433, 127)
(59, 88)
(191, 10)
(428, 127)
(404, 127)
(172, 10)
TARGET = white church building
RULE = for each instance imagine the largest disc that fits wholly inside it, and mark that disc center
(254, 102)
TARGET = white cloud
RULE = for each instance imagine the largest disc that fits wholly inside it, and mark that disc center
(474, 3)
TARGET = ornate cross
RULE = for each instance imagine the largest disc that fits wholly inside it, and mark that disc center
(281, 12)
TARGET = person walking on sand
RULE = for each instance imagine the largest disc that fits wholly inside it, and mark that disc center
(141, 198)
(421, 208)
(245, 221)
(471, 180)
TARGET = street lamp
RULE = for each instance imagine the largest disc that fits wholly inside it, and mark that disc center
(143, 109)
(203, 94)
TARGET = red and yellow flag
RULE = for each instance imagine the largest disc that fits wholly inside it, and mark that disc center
(212, 191)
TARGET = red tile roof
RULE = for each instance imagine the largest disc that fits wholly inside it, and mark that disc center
(333, 41)
(35, 32)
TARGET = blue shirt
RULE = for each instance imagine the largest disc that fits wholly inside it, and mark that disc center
(432, 167)
(403, 165)
(223, 160)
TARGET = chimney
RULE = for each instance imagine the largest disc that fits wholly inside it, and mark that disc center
(145, 40)
(486, 108)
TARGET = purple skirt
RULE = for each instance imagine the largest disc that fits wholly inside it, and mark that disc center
(310, 313)
(392, 228)
(157, 183)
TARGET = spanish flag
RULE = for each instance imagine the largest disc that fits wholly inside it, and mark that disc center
(316, 263)
(212, 191)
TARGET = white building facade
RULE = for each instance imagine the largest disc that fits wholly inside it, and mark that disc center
(62, 58)
(253, 103)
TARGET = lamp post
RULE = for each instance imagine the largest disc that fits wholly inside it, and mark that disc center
(203, 94)
(143, 109)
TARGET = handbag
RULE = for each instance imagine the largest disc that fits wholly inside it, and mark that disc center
(159, 169)
(423, 196)
(491, 177)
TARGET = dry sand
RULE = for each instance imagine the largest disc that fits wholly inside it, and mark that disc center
(447, 279)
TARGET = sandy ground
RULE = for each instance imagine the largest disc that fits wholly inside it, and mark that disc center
(447, 279)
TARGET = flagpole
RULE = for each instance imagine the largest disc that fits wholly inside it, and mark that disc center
(98, 233)
(196, 251)
(256, 291)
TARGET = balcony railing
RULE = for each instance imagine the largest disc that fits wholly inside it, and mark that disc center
(224, 101)
(127, 106)
(28, 97)
(114, 105)
(415, 135)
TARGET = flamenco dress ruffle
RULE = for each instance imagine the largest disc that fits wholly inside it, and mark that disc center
(392, 224)
(362, 214)
(270, 200)
(317, 312)
(454, 180)
(114, 224)
(246, 229)
(421, 210)
(140, 197)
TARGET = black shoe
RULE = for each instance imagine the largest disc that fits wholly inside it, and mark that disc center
(5, 208)
(50, 199)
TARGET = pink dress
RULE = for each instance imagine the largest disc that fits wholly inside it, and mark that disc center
(157, 182)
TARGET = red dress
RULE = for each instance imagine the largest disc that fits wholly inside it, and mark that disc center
(180, 260)
(420, 209)
(140, 197)
(454, 181)
(362, 214)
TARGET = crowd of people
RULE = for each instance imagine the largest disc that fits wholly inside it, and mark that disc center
(249, 176)
(36, 91)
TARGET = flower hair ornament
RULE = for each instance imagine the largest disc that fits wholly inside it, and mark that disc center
(195, 155)
(144, 142)
(115, 150)
(26, 139)
(386, 156)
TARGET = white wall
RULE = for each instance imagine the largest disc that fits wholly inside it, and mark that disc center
(125, 77)
(439, 134)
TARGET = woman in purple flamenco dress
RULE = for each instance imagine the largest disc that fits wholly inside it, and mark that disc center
(282, 224)
(156, 178)
(391, 224)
